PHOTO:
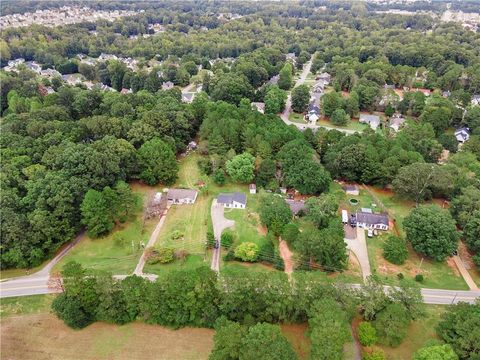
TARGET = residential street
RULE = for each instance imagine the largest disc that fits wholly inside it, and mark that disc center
(220, 223)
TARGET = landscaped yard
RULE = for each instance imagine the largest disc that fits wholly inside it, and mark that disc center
(25, 305)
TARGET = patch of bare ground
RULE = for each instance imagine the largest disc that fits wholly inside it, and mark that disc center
(43, 336)
(287, 256)
(296, 335)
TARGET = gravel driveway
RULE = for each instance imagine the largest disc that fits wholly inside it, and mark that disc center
(219, 223)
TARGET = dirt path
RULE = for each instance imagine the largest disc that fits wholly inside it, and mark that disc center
(464, 272)
(287, 256)
(153, 238)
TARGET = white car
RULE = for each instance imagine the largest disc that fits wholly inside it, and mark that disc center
(370, 233)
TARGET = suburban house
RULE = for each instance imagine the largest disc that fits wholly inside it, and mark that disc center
(236, 200)
(396, 121)
(167, 85)
(319, 86)
(372, 120)
(326, 77)
(188, 97)
(296, 207)
(351, 190)
(253, 188)
(369, 220)
(313, 114)
(462, 134)
(182, 196)
(259, 106)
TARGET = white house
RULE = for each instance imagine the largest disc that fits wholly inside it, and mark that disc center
(367, 220)
(313, 114)
(372, 120)
(462, 134)
(259, 106)
(235, 200)
(476, 100)
(182, 196)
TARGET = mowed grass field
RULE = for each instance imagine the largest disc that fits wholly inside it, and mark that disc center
(119, 251)
(43, 336)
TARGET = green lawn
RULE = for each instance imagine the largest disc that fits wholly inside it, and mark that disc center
(119, 251)
(419, 333)
(11, 273)
(297, 118)
(190, 263)
(24, 305)
(246, 227)
(352, 125)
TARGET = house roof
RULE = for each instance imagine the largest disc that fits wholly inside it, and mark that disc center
(369, 118)
(260, 106)
(312, 108)
(229, 198)
(296, 206)
(177, 194)
(252, 186)
(350, 187)
(372, 219)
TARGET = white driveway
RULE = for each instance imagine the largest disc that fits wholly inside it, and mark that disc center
(219, 223)
(359, 247)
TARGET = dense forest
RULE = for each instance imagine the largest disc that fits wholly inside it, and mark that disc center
(58, 146)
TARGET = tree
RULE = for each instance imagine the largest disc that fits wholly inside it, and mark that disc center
(227, 340)
(226, 239)
(274, 213)
(330, 102)
(321, 209)
(95, 214)
(432, 232)
(219, 177)
(264, 342)
(231, 88)
(69, 309)
(241, 167)
(419, 180)
(290, 233)
(340, 117)
(367, 334)
(300, 98)
(395, 250)
(247, 251)
(391, 325)
(157, 162)
(266, 172)
(435, 352)
(352, 106)
(285, 81)
(275, 99)
(460, 328)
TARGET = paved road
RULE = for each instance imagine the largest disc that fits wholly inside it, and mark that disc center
(359, 247)
(36, 283)
(220, 223)
(153, 238)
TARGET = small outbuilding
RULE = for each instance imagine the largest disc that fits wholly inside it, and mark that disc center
(297, 207)
(236, 200)
(253, 188)
(259, 106)
(351, 189)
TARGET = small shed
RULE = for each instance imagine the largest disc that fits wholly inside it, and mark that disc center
(253, 188)
(351, 189)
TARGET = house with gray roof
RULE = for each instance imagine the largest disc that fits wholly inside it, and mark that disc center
(236, 200)
(296, 207)
(462, 134)
(396, 122)
(369, 220)
(182, 196)
(372, 120)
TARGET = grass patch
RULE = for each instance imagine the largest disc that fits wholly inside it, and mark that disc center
(24, 305)
(119, 251)
(296, 118)
(11, 273)
(43, 336)
(239, 268)
(352, 125)
(190, 263)
(246, 226)
(419, 332)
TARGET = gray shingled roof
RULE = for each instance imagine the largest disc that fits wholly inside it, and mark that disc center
(177, 194)
(367, 218)
(229, 198)
(296, 206)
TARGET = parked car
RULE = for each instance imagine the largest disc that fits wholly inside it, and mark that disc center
(370, 233)
(353, 220)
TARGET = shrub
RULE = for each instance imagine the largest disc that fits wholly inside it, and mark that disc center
(229, 256)
(395, 250)
(210, 239)
(227, 239)
(419, 278)
(367, 334)
(219, 177)
(374, 354)
(290, 233)
(70, 310)
(163, 256)
(247, 251)
(176, 234)
(400, 276)
(340, 117)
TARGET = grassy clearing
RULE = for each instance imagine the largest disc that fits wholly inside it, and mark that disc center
(419, 333)
(239, 268)
(296, 334)
(190, 263)
(43, 336)
(352, 125)
(25, 305)
(297, 118)
(119, 251)
(11, 273)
